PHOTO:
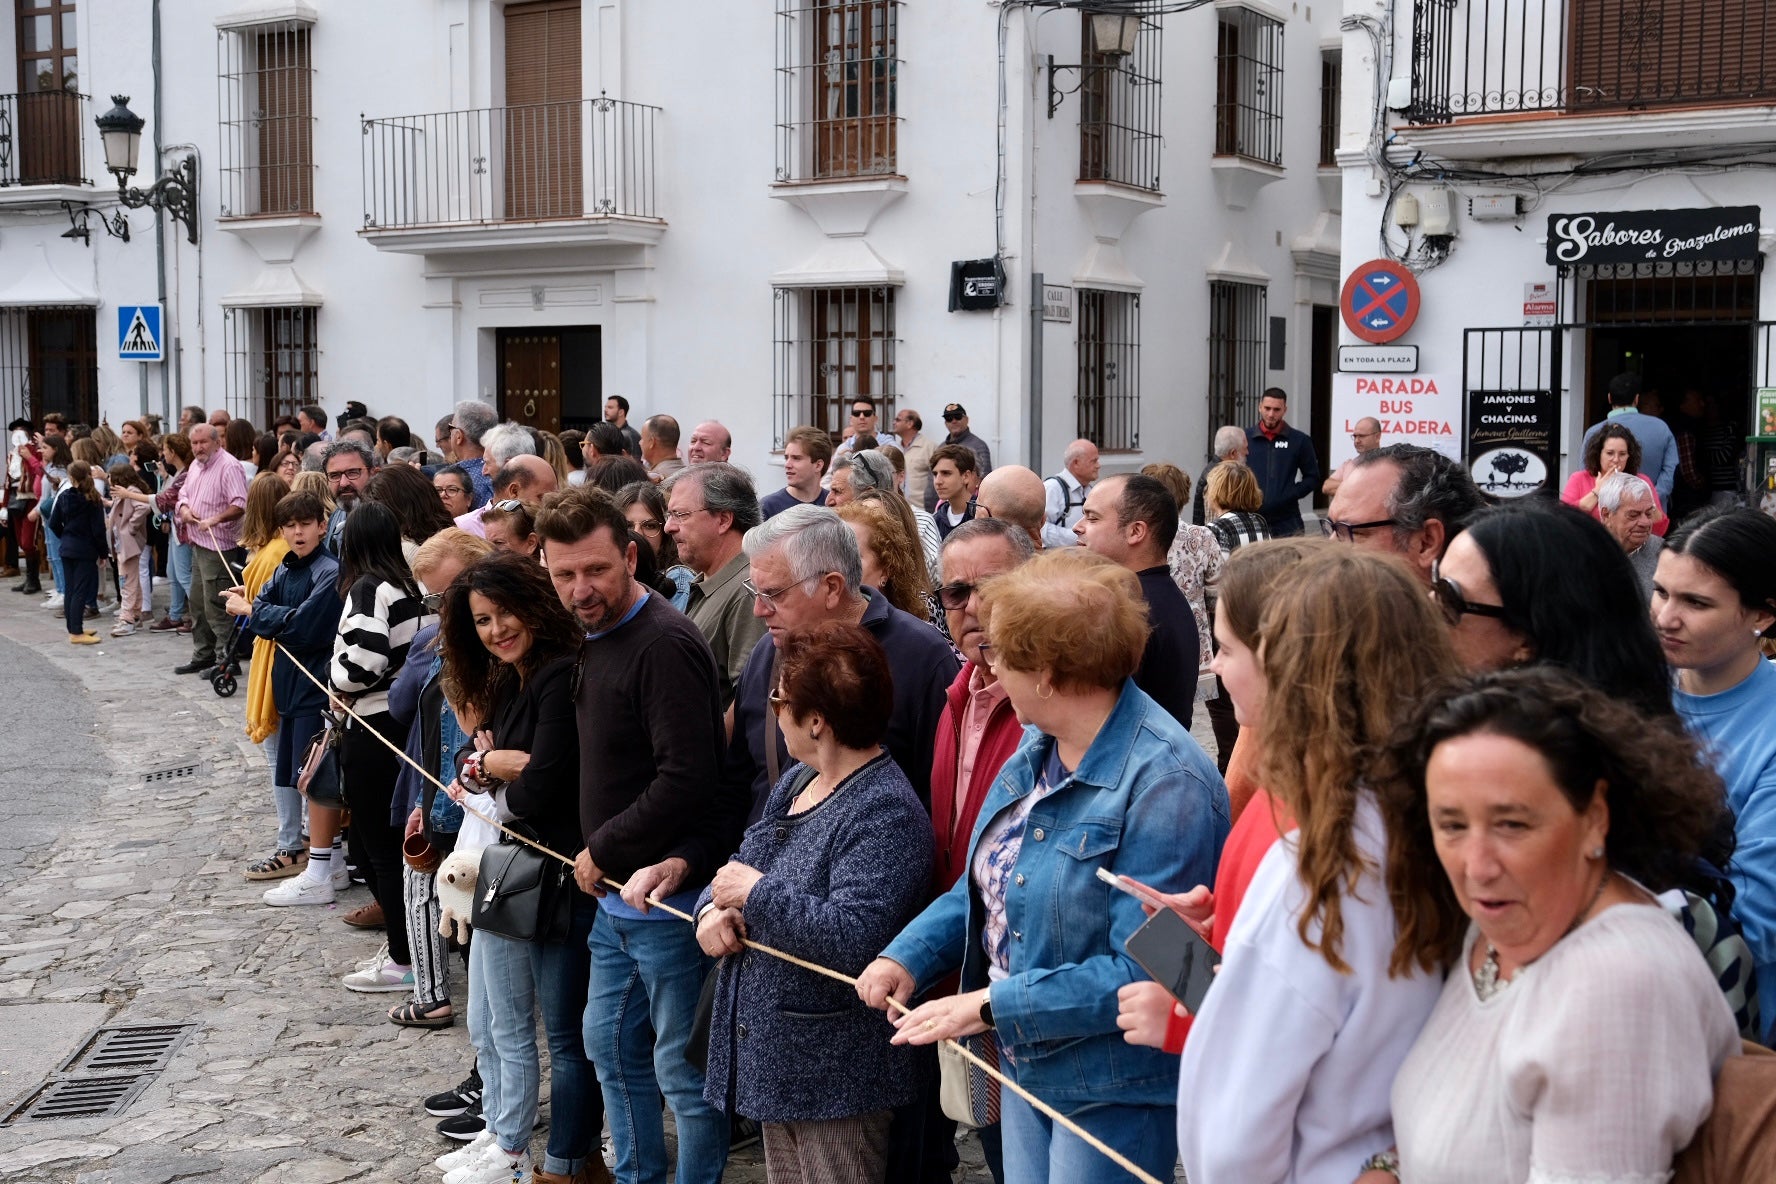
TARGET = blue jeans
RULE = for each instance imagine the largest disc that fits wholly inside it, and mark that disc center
(1037, 1151)
(650, 974)
(508, 981)
(179, 572)
(52, 546)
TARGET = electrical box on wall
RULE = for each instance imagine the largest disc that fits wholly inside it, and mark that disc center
(976, 284)
(1495, 207)
(1437, 212)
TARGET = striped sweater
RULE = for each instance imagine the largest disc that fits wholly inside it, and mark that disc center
(378, 626)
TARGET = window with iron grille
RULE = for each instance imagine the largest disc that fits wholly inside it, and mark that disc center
(837, 71)
(1109, 394)
(832, 346)
(1249, 86)
(272, 359)
(1119, 137)
(49, 361)
(267, 119)
(1331, 83)
(1237, 321)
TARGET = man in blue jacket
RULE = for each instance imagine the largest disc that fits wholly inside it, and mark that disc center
(1658, 447)
(1283, 460)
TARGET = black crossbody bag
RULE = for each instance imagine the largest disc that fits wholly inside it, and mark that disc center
(521, 893)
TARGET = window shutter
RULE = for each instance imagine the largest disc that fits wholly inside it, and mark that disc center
(1658, 52)
(542, 113)
(286, 131)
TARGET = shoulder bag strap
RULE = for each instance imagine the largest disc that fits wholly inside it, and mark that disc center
(773, 766)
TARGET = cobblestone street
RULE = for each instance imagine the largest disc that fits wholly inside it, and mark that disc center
(136, 913)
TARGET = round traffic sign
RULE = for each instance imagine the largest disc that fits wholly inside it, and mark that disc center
(1379, 301)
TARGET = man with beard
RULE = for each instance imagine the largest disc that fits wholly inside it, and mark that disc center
(655, 816)
(348, 465)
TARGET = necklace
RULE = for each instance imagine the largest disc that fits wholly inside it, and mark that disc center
(1486, 977)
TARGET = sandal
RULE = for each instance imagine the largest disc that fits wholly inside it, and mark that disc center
(415, 1015)
(277, 866)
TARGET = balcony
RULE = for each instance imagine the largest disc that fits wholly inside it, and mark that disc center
(498, 178)
(1650, 73)
(42, 148)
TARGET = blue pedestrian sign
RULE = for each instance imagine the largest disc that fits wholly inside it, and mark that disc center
(138, 333)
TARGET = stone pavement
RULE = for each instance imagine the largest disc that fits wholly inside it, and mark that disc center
(137, 913)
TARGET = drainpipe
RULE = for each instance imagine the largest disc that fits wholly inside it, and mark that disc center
(160, 269)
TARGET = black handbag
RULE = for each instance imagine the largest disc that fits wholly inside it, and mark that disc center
(522, 894)
(319, 777)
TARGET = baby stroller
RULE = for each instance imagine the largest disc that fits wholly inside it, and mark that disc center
(223, 677)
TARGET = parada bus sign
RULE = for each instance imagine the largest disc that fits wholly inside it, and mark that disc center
(1653, 236)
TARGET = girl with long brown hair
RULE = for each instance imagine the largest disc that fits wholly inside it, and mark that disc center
(78, 518)
(1288, 1065)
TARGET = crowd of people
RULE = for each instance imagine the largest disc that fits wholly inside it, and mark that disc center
(1486, 849)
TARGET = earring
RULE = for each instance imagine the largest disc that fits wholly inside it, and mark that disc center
(1597, 853)
(1045, 692)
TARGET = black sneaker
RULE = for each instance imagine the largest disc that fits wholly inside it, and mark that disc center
(465, 1126)
(742, 1132)
(460, 1100)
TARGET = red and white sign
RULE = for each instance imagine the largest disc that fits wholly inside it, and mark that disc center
(1422, 409)
(1538, 305)
(1379, 302)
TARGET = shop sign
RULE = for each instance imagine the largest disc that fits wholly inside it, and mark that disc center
(1653, 236)
(1538, 305)
(1422, 409)
(1512, 450)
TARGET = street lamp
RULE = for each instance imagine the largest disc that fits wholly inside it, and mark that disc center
(1113, 36)
(175, 191)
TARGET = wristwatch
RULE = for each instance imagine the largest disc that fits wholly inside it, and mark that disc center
(1383, 1161)
(986, 1011)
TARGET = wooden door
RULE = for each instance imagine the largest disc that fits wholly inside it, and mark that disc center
(530, 377)
(542, 114)
(49, 128)
(64, 365)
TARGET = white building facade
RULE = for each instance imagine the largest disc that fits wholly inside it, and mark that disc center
(1582, 189)
(745, 212)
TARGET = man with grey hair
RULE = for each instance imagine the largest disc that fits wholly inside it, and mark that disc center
(709, 509)
(471, 423)
(1628, 509)
(1066, 490)
(709, 441)
(1230, 444)
(1366, 436)
(211, 505)
(1405, 500)
(505, 443)
(348, 465)
(805, 568)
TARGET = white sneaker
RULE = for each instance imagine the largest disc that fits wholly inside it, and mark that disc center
(300, 890)
(342, 877)
(378, 974)
(107, 607)
(53, 602)
(466, 1154)
(498, 1168)
(123, 629)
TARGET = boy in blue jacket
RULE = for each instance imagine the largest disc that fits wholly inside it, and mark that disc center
(299, 609)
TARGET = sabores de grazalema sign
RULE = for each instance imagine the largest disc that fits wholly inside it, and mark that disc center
(1653, 236)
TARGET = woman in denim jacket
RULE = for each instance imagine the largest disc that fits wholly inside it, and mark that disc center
(1103, 779)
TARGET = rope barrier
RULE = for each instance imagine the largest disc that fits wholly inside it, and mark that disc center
(1085, 1136)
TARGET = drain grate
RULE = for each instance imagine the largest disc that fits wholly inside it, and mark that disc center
(137, 1048)
(105, 1075)
(172, 773)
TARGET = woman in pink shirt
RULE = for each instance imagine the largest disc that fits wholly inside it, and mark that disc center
(1612, 450)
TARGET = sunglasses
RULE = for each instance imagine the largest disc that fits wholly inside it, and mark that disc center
(510, 506)
(956, 595)
(1448, 597)
(776, 703)
(862, 412)
(433, 602)
(953, 418)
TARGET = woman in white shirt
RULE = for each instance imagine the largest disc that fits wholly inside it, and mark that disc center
(1580, 1030)
(1288, 1065)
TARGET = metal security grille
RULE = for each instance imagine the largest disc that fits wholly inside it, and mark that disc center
(832, 345)
(1331, 84)
(1237, 321)
(49, 361)
(1119, 136)
(1483, 57)
(266, 95)
(838, 67)
(1249, 86)
(1700, 293)
(272, 361)
(1109, 392)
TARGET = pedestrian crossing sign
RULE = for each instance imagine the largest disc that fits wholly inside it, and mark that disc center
(138, 332)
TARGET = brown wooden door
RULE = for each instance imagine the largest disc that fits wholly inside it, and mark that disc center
(48, 106)
(542, 113)
(64, 366)
(530, 377)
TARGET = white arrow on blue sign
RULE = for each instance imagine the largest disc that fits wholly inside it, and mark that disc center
(138, 333)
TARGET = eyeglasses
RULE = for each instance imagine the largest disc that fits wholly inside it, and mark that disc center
(433, 601)
(681, 515)
(451, 491)
(510, 506)
(1344, 531)
(956, 595)
(346, 475)
(772, 596)
(648, 525)
(986, 653)
(1448, 596)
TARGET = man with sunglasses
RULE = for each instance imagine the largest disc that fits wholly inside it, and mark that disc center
(955, 419)
(1404, 499)
(862, 423)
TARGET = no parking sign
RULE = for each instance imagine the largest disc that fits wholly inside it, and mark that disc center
(1380, 301)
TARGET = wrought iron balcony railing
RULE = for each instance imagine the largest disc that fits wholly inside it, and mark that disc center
(42, 138)
(589, 158)
(1568, 57)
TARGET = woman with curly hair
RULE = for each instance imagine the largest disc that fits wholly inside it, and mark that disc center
(510, 650)
(1287, 1066)
(1531, 821)
(892, 561)
(1613, 450)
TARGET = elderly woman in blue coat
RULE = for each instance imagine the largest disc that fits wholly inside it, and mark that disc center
(1104, 779)
(834, 867)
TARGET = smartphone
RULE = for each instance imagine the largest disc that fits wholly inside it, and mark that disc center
(1175, 957)
(1134, 888)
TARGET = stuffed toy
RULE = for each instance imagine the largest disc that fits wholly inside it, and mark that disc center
(456, 892)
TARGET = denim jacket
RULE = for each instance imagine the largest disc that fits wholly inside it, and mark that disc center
(1144, 802)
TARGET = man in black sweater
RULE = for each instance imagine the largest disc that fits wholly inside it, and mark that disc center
(1277, 454)
(654, 814)
(1131, 521)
